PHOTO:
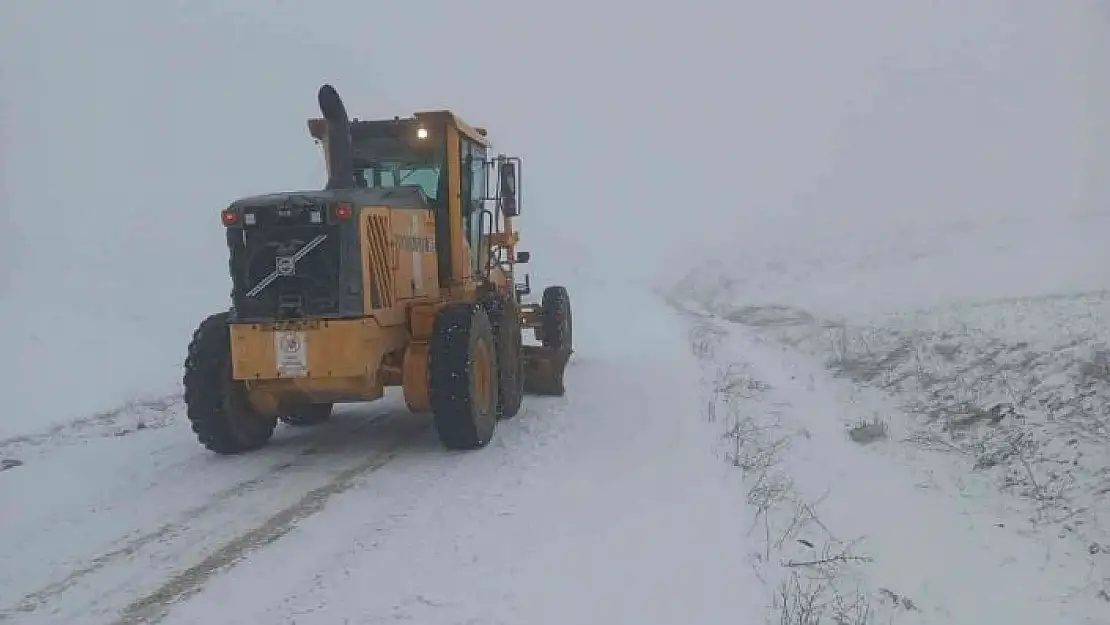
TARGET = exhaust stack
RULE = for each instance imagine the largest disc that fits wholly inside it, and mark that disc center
(340, 151)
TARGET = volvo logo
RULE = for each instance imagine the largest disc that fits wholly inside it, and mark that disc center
(286, 265)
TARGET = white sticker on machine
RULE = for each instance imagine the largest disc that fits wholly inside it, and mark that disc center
(291, 354)
(417, 258)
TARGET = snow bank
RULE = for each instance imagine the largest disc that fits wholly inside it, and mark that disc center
(75, 365)
(870, 507)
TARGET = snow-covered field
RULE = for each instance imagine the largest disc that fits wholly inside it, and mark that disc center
(964, 442)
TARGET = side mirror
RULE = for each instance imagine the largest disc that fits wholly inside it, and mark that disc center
(523, 257)
(510, 203)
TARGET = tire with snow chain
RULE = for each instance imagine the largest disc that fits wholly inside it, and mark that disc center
(504, 315)
(462, 376)
(217, 405)
(312, 414)
(555, 319)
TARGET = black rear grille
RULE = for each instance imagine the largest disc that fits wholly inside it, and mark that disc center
(314, 286)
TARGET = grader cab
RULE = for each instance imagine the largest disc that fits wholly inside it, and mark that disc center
(401, 271)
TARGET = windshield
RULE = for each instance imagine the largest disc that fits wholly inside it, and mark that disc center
(387, 155)
(387, 175)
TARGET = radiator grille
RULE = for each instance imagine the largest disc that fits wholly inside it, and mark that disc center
(312, 290)
(381, 260)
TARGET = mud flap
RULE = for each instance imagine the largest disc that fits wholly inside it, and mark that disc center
(543, 370)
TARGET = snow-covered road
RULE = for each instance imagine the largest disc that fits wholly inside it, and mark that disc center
(606, 505)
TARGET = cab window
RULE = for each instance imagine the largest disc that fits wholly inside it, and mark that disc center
(473, 192)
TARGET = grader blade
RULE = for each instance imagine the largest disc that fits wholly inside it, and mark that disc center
(543, 370)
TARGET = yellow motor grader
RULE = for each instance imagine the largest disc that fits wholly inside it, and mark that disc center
(401, 271)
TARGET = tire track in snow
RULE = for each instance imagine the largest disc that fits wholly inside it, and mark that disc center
(154, 606)
(40, 598)
(34, 600)
(337, 442)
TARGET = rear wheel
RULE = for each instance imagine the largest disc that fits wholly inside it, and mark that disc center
(217, 405)
(504, 314)
(312, 414)
(462, 375)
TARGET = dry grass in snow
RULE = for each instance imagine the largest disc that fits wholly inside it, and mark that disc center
(813, 576)
(1015, 393)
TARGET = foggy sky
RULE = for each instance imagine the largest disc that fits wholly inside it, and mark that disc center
(139, 121)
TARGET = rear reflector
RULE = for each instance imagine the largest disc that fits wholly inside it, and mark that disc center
(341, 211)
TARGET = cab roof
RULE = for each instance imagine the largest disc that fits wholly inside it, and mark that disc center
(317, 127)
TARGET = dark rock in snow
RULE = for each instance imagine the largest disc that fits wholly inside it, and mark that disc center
(10, 463)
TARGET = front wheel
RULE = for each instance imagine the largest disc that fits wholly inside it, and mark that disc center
(555, 319)
(504, 314)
